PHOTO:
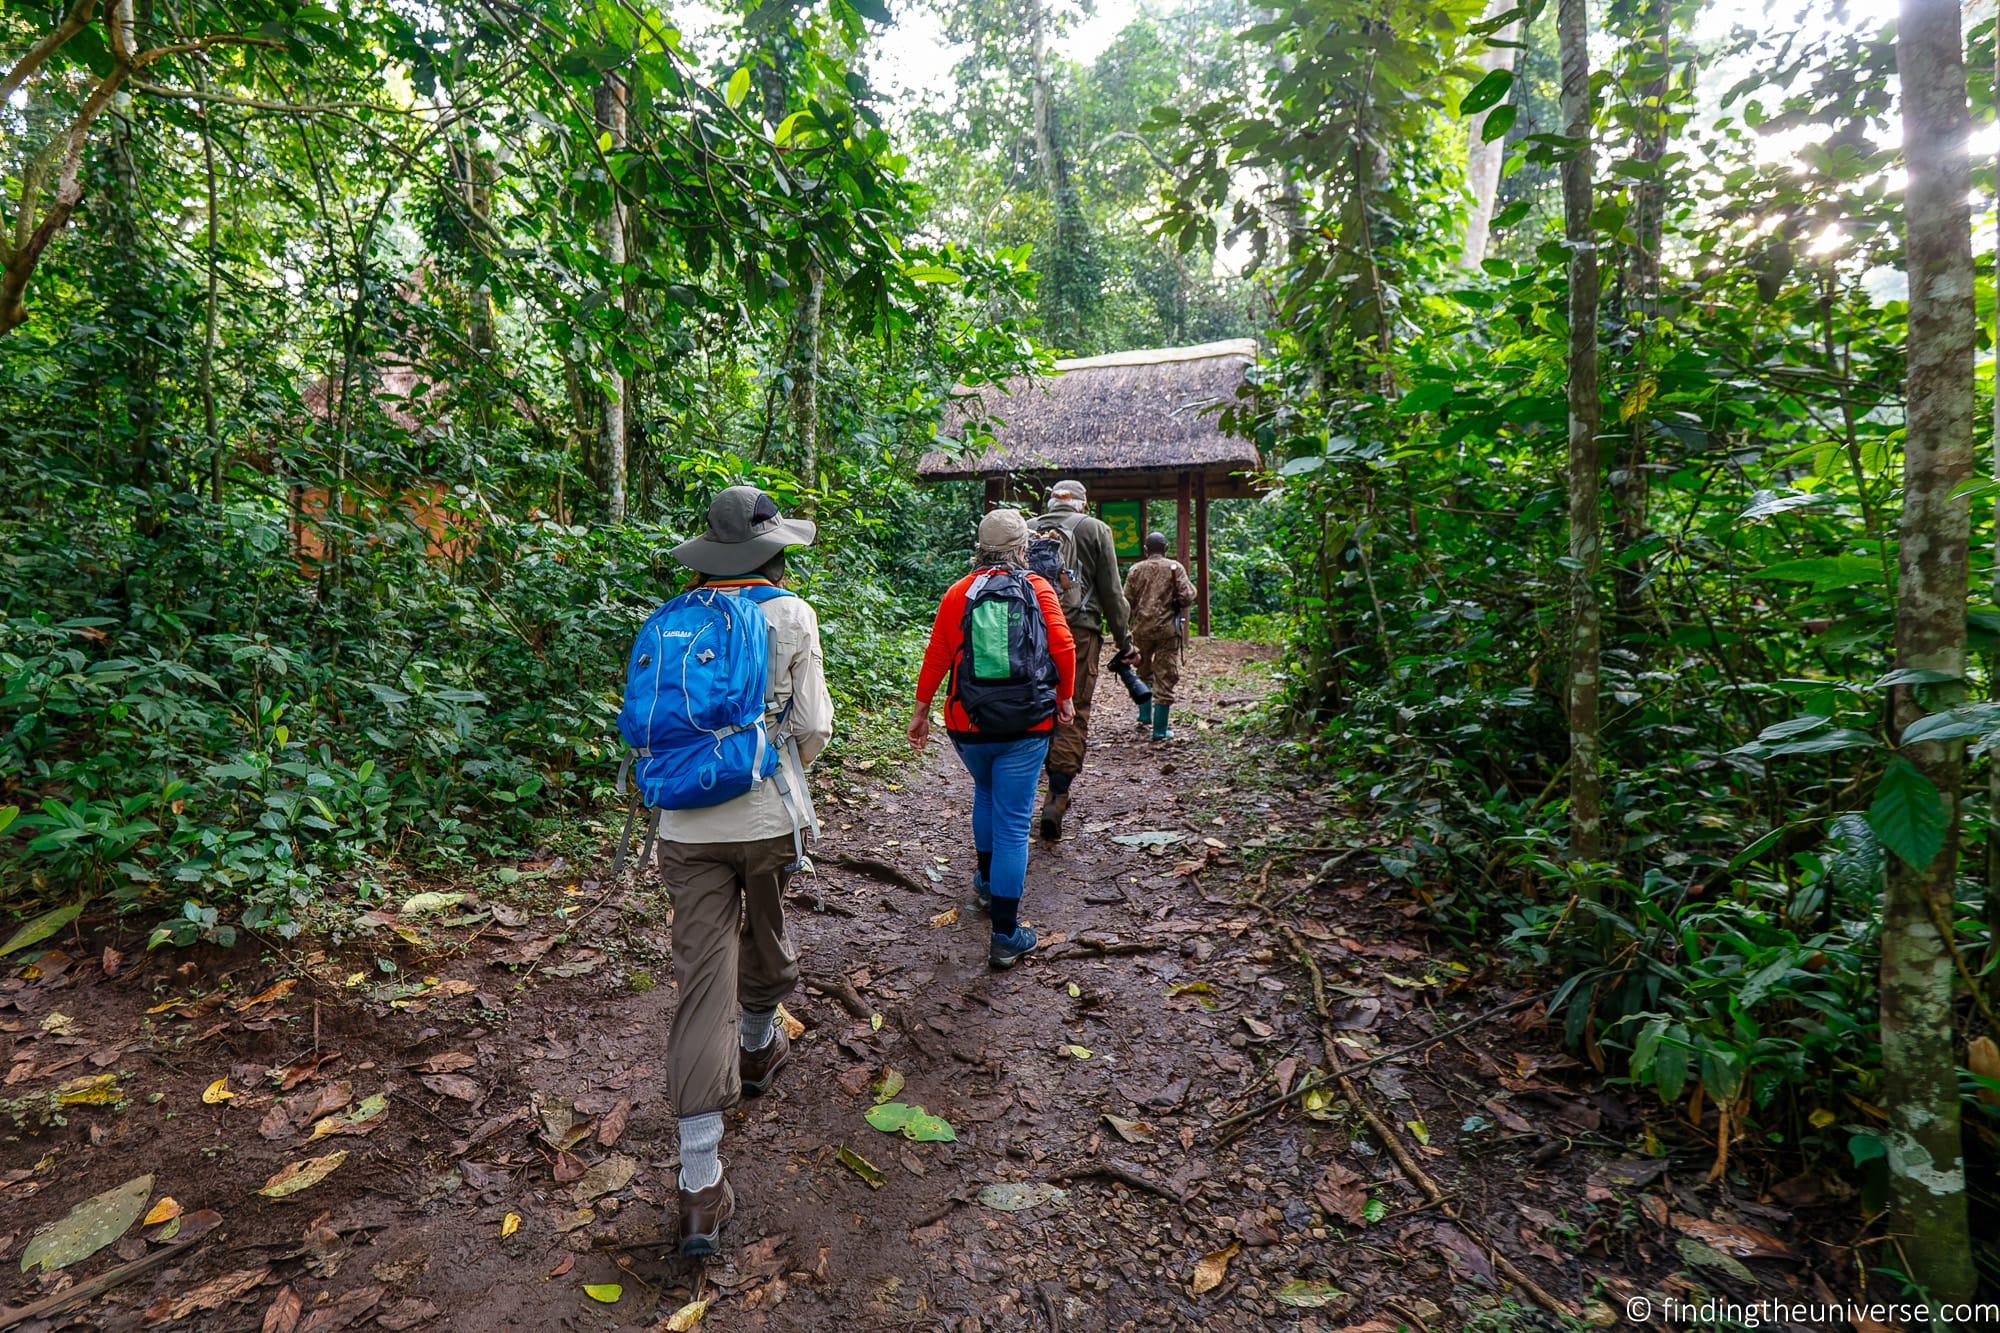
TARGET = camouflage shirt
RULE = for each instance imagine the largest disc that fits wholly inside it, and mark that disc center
(1160, 593)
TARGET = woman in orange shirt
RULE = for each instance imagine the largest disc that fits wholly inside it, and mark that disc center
(1001, 640)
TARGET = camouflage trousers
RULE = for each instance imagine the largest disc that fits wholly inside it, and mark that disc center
(1160, 662)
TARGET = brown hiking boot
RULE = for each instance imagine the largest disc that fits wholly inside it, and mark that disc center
(1053, 809)
(760, 1067)
(703, 1215)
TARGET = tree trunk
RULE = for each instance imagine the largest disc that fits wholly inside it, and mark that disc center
(1038, 99)
(213, 438)
(1919, 1066)
(1993, 673)
(805, 375)
(1629, 486)
(611, 237)
(1483, 159)
(1586, 784)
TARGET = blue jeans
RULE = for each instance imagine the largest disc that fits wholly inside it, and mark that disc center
(1004, 777)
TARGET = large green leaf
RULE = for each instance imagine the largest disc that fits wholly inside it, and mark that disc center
(1908, 814)
(1486, 92)
(88, 1227)
(42, 927)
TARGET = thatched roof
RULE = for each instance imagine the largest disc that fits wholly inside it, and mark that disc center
(1126, 414)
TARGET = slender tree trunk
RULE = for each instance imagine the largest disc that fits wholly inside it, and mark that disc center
(805, 375)
(1586, 783)
(1919, 1065)
(1483, 159)
(1629, 482)
(611, 237)
(208, 333)
(1038, 99)
(1993, 672)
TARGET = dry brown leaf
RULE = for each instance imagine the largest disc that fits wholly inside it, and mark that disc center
(447, 1062)
(1342, 1194)
(277, 990)
(453, 1085)
(210, 1295)
(948, 917)
(1214, 1266)
(298, 1073)
(612, 1127)
(1732, 1238)
(284, 1312)
(794, 1029)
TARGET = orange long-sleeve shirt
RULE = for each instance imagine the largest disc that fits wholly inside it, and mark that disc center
(948, 638)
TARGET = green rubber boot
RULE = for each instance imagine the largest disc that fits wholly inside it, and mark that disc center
(1161, 731)
(1145, 712)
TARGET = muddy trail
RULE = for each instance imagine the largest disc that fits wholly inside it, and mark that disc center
(453, 1116)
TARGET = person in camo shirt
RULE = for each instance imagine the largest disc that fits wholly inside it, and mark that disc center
(1160, 594)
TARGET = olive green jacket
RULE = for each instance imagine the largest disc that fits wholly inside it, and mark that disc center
(1104, 607)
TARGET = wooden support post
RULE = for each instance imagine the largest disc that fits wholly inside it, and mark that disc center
(992, 493)
(1201, 553)
(1144, 526)
(1181, 520)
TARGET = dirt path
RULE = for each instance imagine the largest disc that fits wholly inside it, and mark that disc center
(519, 1045)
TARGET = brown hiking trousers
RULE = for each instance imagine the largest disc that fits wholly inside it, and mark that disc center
(1160, 662)
(1066, 748)
(731, 953)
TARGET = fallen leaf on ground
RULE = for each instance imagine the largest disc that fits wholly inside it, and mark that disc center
(43, 927)
(862, 1167)
(301, 1175)
(1305, 1295)
(210, 1295)
(277, 990)
(685, 1318)
(886, 1087)
(913, 1122)
(1707, 1256)
(608, 1176)
(1213, 1267)
(88, 1227)
(217, 1093)
(1342, 1194)
(166, 1210)
(424, 904)
(581, 1217)
(793, 1028)
(60, 1024)
(342, 1311)
(411, 1312)
(447, 1062)
(283, 1314)
(90, 1090)
(1075, 1052)
(605, 1292)
(563, 1265)
(1013, 1196)
(1732, 1238)
(1132, 1131)
(298, 1073)
(612, 1127)
(453, 1085)
(948, 917)
(363, 1119)
(510, 1224)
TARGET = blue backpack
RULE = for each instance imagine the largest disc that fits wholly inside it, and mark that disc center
(694, 712)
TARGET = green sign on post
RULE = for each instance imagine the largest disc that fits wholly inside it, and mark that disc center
(1122, 517)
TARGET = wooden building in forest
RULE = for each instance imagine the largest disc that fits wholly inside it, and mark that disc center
(1136, 428)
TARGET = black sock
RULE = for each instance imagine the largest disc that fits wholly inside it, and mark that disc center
(1006, 915)
(986, 865)
(1059, 782)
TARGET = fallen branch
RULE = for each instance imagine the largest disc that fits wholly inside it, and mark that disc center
(97, 1286)
(1390, 1140)
(882, 870)
(1396, 1053)
(1099, 948)
(839, 989)
(1107, 1169)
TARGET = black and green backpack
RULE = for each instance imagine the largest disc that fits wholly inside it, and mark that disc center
(1006, 678)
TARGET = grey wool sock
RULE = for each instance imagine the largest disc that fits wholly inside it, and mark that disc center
(754, 1028)
(701, 1137)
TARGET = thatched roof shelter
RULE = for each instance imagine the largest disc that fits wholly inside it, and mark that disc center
(1134, 421)
(1132, 427)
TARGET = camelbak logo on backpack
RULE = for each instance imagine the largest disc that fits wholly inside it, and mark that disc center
(695, 683)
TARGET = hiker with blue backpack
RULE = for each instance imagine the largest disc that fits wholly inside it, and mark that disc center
(1001, 642)
(725, 707)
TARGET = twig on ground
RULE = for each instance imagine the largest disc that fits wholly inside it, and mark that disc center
(97, 1286)
(1391, 1141)
(882, 870)
(840, 990)
(1101, 948)
(1108, 1169)
(1396, 1053)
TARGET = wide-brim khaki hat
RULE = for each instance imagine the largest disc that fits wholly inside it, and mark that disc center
(744, 531)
